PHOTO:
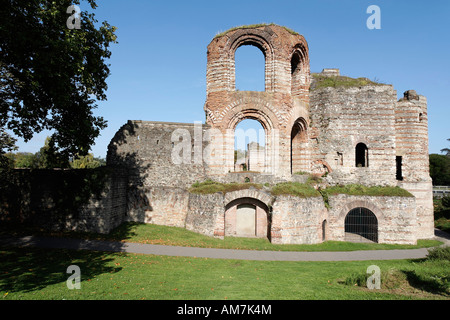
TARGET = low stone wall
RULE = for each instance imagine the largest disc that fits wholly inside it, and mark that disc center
(98, 200)
(85, 200)
(206, 214)
(167, 206)
(297, 220)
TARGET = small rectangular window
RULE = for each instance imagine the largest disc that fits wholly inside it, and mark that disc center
(399, 168)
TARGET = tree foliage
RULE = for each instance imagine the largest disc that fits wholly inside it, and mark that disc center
(86, 162)
(7, 144)
(51, 76)
(48, 158)
(440, 169)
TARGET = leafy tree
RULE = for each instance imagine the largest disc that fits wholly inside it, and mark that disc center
(440, 169)
(23, 159)
(51, 75)
(7, 144)
(86, 162)
(48, 157)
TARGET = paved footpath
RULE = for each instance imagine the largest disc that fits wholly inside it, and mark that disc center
(96, 245)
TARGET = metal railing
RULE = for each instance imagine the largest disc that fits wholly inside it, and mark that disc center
(441, 191)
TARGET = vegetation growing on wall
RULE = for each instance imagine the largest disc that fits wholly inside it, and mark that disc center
(360, 190)
(303, 190)
(210, 186)
(250, 26)
(324, 81)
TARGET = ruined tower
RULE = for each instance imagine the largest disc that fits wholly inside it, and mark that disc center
(282, 109)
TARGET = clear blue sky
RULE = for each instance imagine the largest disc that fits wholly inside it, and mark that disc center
(158, 68)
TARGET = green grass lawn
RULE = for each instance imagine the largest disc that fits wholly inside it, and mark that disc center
(163, 235)
(31, 273)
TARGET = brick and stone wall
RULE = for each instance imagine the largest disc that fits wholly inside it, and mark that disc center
(411, 126)
(343, 117)
(284, 100)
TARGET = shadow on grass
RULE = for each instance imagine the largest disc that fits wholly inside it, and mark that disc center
(32, 269)
(436, 284)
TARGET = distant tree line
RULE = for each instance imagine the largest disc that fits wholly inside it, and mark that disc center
(440, 168)
(48, 158)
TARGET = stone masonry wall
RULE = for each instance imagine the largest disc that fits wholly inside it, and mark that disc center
(343, 117)
(206, 214)
(88, 200)
(411, 126)
(396, 217)
(297, 220)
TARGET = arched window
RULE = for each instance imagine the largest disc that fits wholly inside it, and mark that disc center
(361, 155)
(249, 68)
(249, 146)
(296, 72)
(361, 225)
(298, 137)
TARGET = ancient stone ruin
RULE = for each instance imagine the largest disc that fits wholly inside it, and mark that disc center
(345, 131)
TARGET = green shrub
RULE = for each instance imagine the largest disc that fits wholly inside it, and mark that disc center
(446, 201)
(439, 253)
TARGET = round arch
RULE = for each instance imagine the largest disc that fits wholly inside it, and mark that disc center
(368, 206)
(361, 225)
(299, 69)
(359, 203)
(247, 217)
(259, 39)
(299, 136)
(253, 109)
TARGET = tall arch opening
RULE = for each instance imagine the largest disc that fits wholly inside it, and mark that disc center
(249, 68)
(296, 73)
(298, 140)
(249, 146)
(361, 155)
(361, 225)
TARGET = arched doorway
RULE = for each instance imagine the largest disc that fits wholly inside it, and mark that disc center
(361, 225)
(247, 217)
